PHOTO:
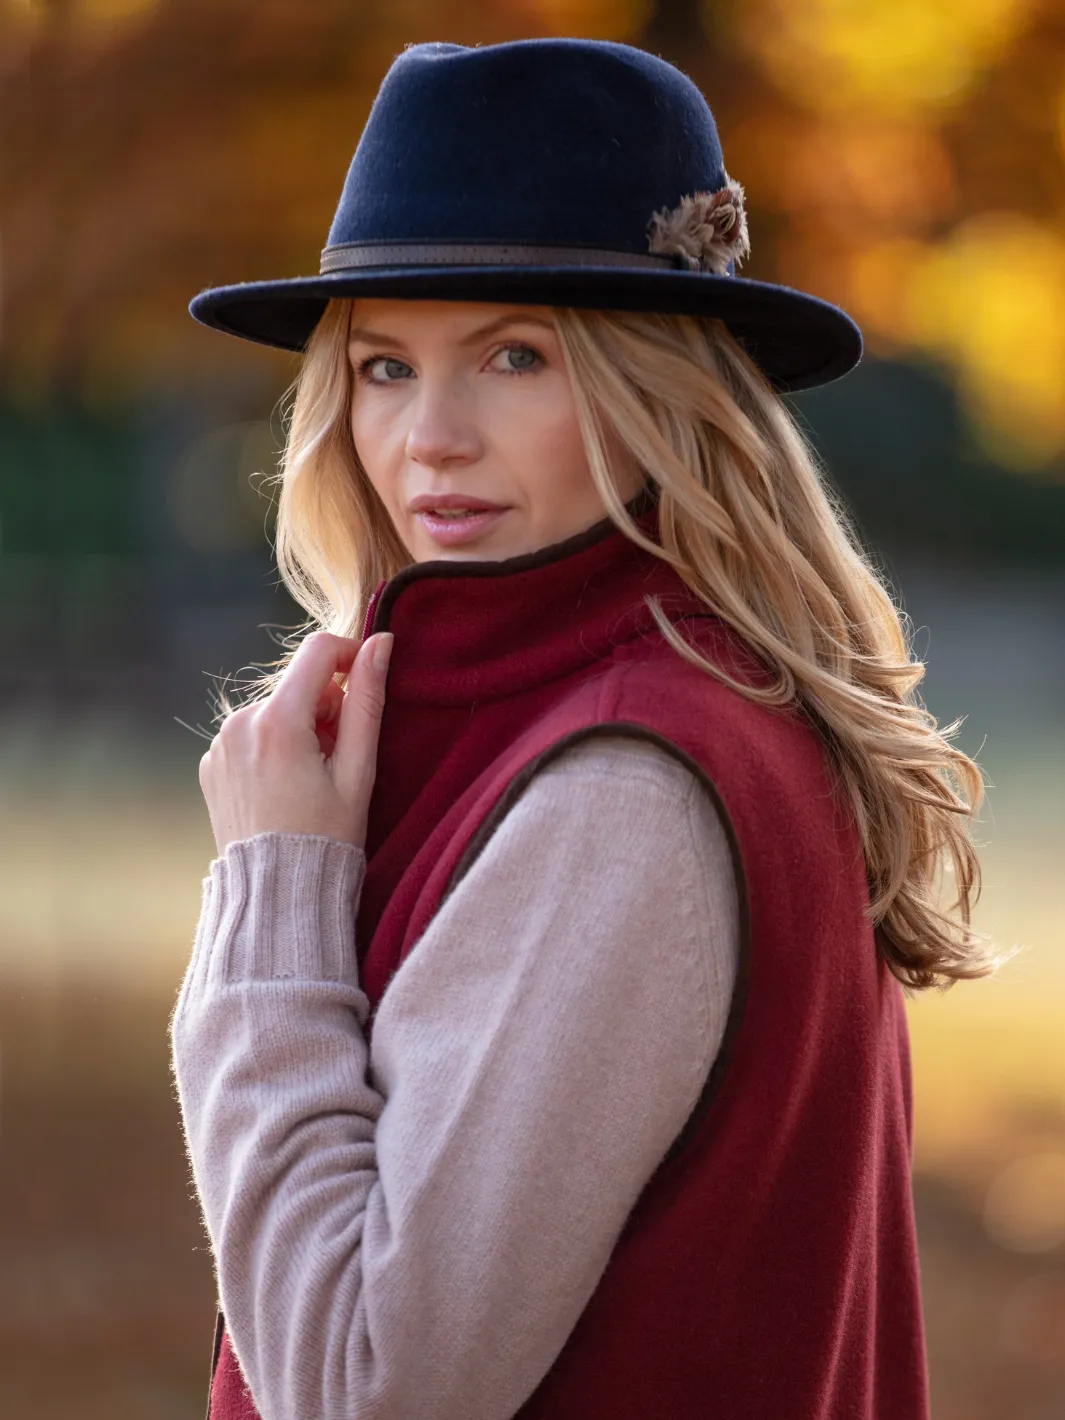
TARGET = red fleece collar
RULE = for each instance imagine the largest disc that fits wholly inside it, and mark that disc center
(479, 630)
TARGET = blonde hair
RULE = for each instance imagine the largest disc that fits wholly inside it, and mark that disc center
(749, 523)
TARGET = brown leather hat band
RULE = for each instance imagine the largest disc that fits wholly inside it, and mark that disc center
(355, 256)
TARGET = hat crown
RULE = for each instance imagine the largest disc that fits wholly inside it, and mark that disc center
(560, 172)
(553, 142)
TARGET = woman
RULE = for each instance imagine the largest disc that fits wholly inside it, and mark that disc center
(626, 868)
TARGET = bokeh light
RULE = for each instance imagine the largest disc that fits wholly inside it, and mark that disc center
(887, 55)
(990, 302)
(888, 176)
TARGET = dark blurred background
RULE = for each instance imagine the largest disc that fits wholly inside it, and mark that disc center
(903, 157)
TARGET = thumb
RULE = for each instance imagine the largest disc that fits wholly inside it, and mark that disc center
(355, 756)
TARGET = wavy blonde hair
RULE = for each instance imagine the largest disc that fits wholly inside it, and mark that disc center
(748, 520)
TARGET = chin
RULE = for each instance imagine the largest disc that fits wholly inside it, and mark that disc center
(463, 554)
(492, 547)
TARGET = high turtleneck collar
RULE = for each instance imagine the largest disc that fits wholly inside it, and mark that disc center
(481, 630)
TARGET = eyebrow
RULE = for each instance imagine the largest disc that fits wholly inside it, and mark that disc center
(378, 337)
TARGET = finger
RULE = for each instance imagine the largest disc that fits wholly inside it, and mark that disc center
(327, 711)
(327, 740)
(306, 677)
(359, 729)
(327, 717)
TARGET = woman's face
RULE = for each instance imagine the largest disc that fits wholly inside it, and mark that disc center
(463, 418)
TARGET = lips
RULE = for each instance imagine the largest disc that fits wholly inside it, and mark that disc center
(452, 503)
(450, 527)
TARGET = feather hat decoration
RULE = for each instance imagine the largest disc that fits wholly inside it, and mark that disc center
(705, 231)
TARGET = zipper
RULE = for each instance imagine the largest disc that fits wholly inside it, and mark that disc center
(371, 607)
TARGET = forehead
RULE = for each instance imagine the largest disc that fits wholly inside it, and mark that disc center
(440, 319)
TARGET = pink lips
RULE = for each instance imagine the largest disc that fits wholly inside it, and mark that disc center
(450, 532)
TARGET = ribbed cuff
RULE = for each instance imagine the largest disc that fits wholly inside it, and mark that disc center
(279, 906)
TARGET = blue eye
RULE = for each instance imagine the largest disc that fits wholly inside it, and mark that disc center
(519, 359)
(394, 369)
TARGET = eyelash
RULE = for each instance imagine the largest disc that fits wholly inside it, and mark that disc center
(363, 368)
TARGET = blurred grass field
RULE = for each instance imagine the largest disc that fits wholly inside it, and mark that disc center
(107, 1303)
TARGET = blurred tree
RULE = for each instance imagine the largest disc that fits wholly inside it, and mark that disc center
(896, 444)
(914, 154)
(674, 29)
(66, 489)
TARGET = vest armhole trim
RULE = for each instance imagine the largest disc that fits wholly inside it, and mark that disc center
(738, 1003)
(216, 1348)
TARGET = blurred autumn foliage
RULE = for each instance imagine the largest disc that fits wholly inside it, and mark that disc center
(903, 157)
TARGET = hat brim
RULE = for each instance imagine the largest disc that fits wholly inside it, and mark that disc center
(799, 340)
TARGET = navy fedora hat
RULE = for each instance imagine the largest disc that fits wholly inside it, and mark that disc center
(563, 172)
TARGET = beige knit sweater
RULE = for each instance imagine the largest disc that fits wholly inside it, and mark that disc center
(413, 1230)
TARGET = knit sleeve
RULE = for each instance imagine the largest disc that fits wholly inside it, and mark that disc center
(414, 1231)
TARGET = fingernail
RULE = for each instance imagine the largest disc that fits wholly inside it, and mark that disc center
(382, 652)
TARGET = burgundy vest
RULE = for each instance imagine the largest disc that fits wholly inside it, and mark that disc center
(769, 1268)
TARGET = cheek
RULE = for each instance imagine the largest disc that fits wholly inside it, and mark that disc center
(375, 438)
(544, 441)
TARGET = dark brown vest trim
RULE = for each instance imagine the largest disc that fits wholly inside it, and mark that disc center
(494, 817)
(219, 1325)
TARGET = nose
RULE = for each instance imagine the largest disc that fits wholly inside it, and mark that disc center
(441, 433)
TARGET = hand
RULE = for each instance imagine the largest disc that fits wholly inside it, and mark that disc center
(305, 759)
